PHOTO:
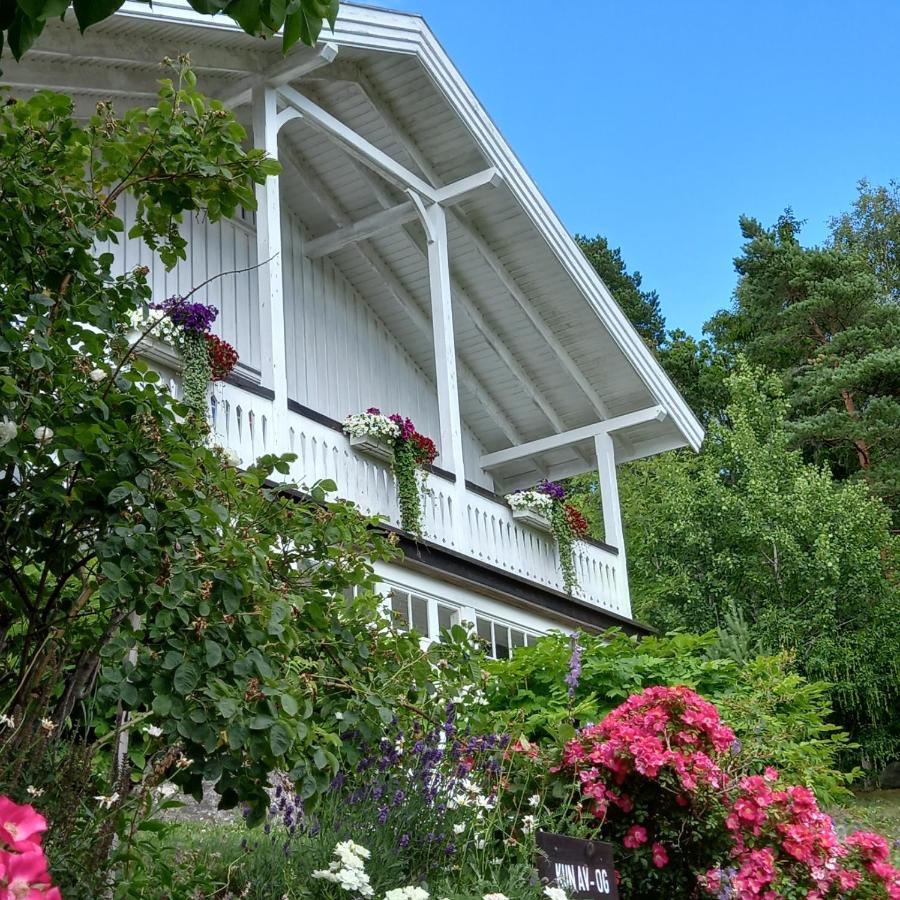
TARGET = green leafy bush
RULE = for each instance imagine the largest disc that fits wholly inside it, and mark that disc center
(780, 719)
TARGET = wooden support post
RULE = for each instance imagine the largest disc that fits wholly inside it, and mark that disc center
(268, 257)
(435, 221)
(612, 512)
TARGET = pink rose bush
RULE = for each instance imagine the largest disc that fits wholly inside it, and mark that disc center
(24, 872)
(656, 779)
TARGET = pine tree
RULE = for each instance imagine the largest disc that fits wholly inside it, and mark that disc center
(821, 318)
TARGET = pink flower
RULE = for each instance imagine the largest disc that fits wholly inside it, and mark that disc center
(20, 825)
(24, 873)
(660, 857)
(636, 836)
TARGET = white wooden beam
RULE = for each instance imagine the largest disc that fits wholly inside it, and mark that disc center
(613, 533)
(365, 228)
(355, 144)
(268, 256)
(444, 343)
(555, 441)
(457, 191)
(301, 62)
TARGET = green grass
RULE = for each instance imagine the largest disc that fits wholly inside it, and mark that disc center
(873, 811)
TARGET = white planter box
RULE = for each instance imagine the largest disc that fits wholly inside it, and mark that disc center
(373, 446)
(532, 520)
(156, 351)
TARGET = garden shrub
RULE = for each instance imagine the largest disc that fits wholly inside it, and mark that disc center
(779, 718)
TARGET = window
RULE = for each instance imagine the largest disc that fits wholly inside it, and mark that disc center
(500, 638)
(426, 615)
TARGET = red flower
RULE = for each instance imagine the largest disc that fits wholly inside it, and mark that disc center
(577, 522)
(426, 452)
(660, 856)
(222, 357)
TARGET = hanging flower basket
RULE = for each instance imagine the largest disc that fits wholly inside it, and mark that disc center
(544, 509)
(176, 333)
(394, 439)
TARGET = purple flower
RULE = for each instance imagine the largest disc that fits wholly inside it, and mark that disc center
(382, 815)
(552, 489)
(373, 411)
(407, 429)
(736, 746)
(196, 317)
(404, 840)
(574, 673)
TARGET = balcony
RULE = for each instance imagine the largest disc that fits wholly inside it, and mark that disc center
(464, 519)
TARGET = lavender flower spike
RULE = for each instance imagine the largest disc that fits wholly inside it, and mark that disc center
(574, 673)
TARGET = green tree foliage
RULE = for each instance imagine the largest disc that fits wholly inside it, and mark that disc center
(140, 574)
(807, 562)
(872, 229)
(817, 316)
(22, 21)
(641, 307)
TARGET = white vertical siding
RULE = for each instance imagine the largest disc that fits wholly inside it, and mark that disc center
(212, 250)
(341, 357)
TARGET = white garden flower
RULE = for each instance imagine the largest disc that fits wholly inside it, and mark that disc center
(528, 824)
(532, 500)
(534, 801)
(43, 434)
(32, 791)
(167, 789)
(348, 870)
(8, 431)
(497, 896)
(48, 725)
(407, 893)
(555, 893)
(107, 802)
(97, 375)
(371, 424)
(154, 731)
(459, 828)
(8, 721)
(230, 457)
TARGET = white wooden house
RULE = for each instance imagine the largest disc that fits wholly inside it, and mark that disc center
(412, 265)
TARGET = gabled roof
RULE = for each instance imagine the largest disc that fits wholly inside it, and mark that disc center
(538, 333)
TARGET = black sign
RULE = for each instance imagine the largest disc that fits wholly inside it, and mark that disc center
(583, 869)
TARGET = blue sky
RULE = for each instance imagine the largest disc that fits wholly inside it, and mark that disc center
(657, 123)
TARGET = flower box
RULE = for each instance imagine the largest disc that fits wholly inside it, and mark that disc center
(532, 519)
(156, 351)
(372, 446)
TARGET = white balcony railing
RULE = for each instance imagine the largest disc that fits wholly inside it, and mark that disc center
(457, 517)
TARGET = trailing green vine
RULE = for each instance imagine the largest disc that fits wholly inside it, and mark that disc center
(408, 496)
(196, 373)
(565, 544)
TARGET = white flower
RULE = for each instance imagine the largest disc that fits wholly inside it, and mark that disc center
(97, 375)
(532, 500)
(33, 791)
(154, 731)
(407, 893)
(8, 721)
(8, 431)
(555, 893)
(372, 424)
(459, 828)
(48, 725)
(42, 434)
(496, 896)
(107, 802)
(496, 861)
(167, 789)
(479, 843)
(339, 716)
(528, 824)
(348, 871)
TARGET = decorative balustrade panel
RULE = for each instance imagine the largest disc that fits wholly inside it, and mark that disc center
(459, 519)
